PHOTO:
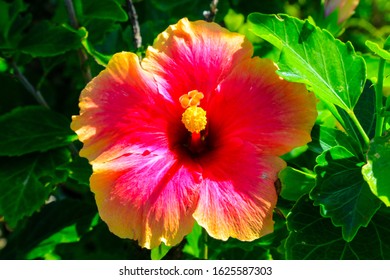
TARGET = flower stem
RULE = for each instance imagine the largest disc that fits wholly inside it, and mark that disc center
(379, 99)
(359, 127)
(205, 246)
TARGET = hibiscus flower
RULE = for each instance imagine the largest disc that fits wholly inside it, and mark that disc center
(193, 132)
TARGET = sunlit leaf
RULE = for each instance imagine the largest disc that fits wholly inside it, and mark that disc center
(376, 171)
(313, 237)
(341, 191)
(33, 129)
(159, 252)
(313, 56)
(27, 181)
(374, 47)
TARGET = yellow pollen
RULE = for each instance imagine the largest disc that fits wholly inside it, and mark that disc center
(192, 98)
(194, 119)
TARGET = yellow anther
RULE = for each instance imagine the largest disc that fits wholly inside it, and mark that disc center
(194, 119)
(192, 98)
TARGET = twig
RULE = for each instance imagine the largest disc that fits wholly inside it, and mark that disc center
(38, 96)
(135, 24)
(83, 57)
(71, 14)
(210, 15)
(36, 93)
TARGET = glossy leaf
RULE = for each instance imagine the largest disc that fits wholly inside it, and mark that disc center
(376, 171)
(341, 191)
(33, 129)
(27, 181)
(313, 237)
(295, 183)
(313, 56)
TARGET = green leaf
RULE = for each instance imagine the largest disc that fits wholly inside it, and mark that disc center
(100, 58)
(159, 252)
(376, 171)
(167, 5)
(104, 9)
(101, 244)
(26, 182)
(33, 129)
(194, 241)
(79, 169)
(313, 56)
(375, 48)
(324, 138)
(313, 237)
(233, 21)
(295, 183)
(341, 191)
(12, 23)
(46, 39)
(372, 63)
(51, 226)
(365, 109)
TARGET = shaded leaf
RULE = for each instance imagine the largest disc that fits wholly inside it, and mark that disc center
(324, 138)
(12, 23)
(33, 129)
(79, 169)
(101, 244)
(46, 39)
(50, 227)
(104, 9)
(313, 237)
(365, 109)
(313, 56)
(27, 181)
(376, 171)
(295, 183)
(341, 191)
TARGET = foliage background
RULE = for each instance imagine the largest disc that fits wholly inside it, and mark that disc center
(46, 208)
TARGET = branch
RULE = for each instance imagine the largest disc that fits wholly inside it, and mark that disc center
(28, 86)
(83, 57)
(135, 24)
(210, 15)
(37, 95)
(71, 14)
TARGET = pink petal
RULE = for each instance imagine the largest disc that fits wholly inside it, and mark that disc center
(194, 55)
(237, 195)
(147, 198)
(254, 104)
(122, 112)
